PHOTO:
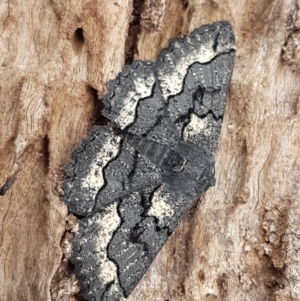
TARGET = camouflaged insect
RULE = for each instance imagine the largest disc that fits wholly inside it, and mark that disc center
(131, 182)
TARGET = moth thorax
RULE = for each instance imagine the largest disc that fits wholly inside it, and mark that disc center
(159, 154)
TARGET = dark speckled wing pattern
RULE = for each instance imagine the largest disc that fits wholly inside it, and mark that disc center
(130, 183)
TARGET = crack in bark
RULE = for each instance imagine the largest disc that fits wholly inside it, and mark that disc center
(133, 31)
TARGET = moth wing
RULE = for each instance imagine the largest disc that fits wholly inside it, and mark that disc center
(133, 83)
(134, 104)
(97, 273)
(85, 171)
(194, 74)
(103, 169)
(115, 246)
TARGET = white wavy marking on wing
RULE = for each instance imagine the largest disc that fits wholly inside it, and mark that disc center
(107, 222)
(143, 88)
(159, 207)
(172, 78)
(94, 179)
(195, 127)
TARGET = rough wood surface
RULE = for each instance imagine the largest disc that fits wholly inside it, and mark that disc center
(241, 242)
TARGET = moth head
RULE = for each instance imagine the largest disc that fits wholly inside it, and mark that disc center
(174, 162)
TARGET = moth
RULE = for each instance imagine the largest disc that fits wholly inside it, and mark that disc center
(130, 183)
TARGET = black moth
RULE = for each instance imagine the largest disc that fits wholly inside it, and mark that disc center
(132, 182)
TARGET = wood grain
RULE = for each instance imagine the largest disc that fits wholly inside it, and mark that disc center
(241, 242)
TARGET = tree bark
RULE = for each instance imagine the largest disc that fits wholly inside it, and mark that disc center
(241, 241)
